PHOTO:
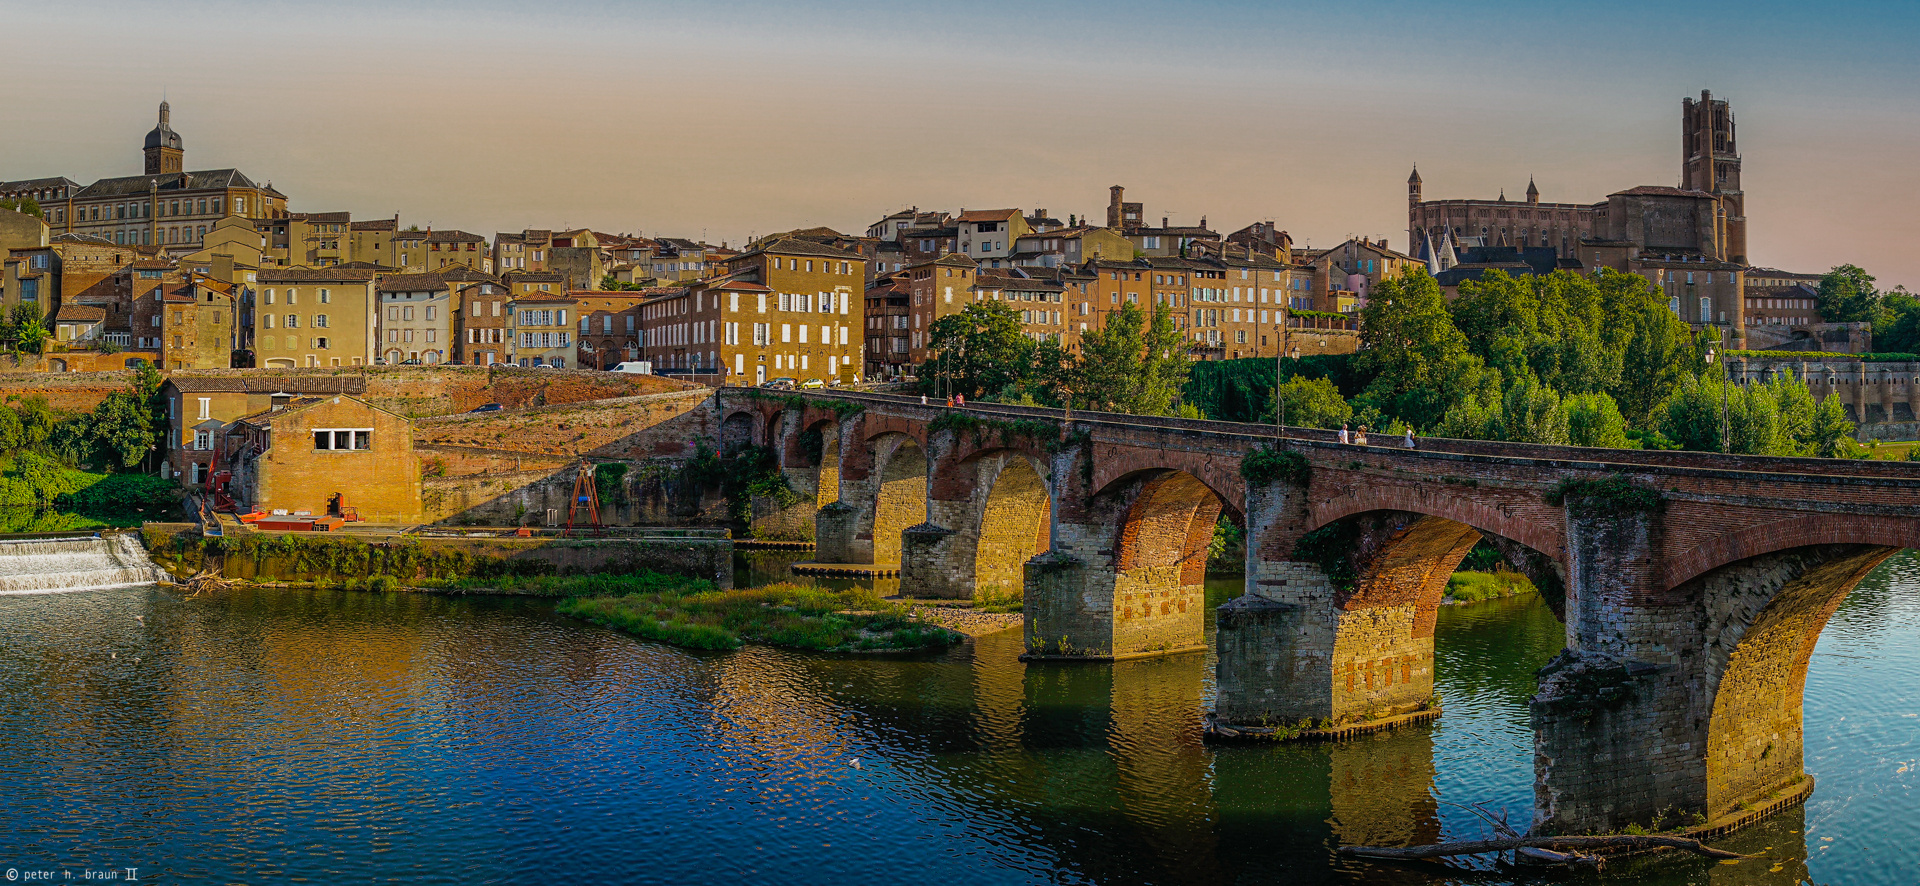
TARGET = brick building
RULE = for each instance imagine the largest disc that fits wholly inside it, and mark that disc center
(938, 288)
(311, 318)
(200, 407)
(302, 454)
(482, 328)
(609, 327)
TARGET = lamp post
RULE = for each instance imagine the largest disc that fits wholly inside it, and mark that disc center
(1279, 371)
(1726, 430)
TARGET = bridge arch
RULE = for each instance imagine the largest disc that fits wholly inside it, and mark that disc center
(819, 445)
(1786, 534)
(899, 470)
(1014, 519)
(1125, 574)
(1344, 589)
(1762, 617)
(740, 428)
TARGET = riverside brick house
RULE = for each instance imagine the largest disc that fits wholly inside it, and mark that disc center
(301, 452)
(200, 407)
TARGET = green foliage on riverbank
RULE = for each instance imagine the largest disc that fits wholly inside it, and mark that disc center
(695, 615)
(33, 482)
(1473, 587)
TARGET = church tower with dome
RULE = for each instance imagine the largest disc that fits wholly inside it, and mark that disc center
(164, 152)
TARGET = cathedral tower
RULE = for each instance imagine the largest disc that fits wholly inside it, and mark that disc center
(163, 149)
(1414, 226)
(1710, 161)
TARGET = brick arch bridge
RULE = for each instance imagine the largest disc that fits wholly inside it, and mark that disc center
(1689, 623)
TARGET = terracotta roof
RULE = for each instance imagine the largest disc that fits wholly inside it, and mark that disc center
(742, 286)
(379, 224)
(541, 297)
(72, 313)
(952, 260)
(322, 217)
(411, 283)
(315, 275)
(980, 215)
(808, 247)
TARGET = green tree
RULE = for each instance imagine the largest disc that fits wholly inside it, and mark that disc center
(122, 430)
(1847, 296)
(978, 352)
(1530, 413)
(1896, 327)
(1417, 357)
(1753, 422)
(37, 421)
(25, 206)
(1832, 432)
(1693, 414)
(12, 434)
(1133, 364)
(1595, 420)
(1660, 355)
(28, 324)
(1312, 403)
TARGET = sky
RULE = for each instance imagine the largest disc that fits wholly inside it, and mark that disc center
(729, 118)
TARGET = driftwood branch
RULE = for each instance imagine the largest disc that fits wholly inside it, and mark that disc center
(1480, 847)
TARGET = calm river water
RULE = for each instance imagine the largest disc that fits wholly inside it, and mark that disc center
(352, 737)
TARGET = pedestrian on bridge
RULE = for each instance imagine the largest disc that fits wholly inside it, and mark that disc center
(1345, 435)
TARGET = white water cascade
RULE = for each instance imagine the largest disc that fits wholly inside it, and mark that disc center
(44, 565)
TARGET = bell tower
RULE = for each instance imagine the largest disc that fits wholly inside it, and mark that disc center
(1710, 162)
(164, 152)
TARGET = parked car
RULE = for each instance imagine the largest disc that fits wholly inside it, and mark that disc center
(637, 367)
(489, 407)
(784, 382)
(813, 383)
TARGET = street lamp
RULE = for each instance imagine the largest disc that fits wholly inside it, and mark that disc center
(1726, 430)
(1279, 371)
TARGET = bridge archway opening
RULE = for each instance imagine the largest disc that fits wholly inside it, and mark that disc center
(820, 445)
(1764, 616)
(900, 493)
(1370, 585)
(1014, 526)
(737, 431)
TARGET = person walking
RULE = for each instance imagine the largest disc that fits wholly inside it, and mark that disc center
(923, 399)
(1346, 436)
(1409, 441)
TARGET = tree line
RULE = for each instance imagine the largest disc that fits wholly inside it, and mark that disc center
(1574, 359)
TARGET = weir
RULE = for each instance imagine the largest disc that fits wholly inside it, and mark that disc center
(43, 565)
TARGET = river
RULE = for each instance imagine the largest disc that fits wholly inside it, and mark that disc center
(268, 736)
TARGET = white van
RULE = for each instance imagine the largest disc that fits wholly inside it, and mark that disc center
(638, 367)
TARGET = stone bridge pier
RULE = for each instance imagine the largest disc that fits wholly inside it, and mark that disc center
(1125, 576)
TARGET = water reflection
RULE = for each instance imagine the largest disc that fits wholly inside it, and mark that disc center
(395, 738)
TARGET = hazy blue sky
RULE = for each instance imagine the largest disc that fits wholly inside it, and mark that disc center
(729, 118)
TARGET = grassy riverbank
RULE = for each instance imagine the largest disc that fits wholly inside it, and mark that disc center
(1474, 587)
(695, 615)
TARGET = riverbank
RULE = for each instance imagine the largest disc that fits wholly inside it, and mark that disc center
(1478, 587)
(971, 620)
(697, 616)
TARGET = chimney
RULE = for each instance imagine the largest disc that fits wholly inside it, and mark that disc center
(279, 399)
(1039, 213)
(1163, 221)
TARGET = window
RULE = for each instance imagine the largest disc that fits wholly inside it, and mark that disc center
(206, 408)
(293, 321)
(342, 439)
(203, 440)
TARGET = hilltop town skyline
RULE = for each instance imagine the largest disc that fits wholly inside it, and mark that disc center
(623, 138)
